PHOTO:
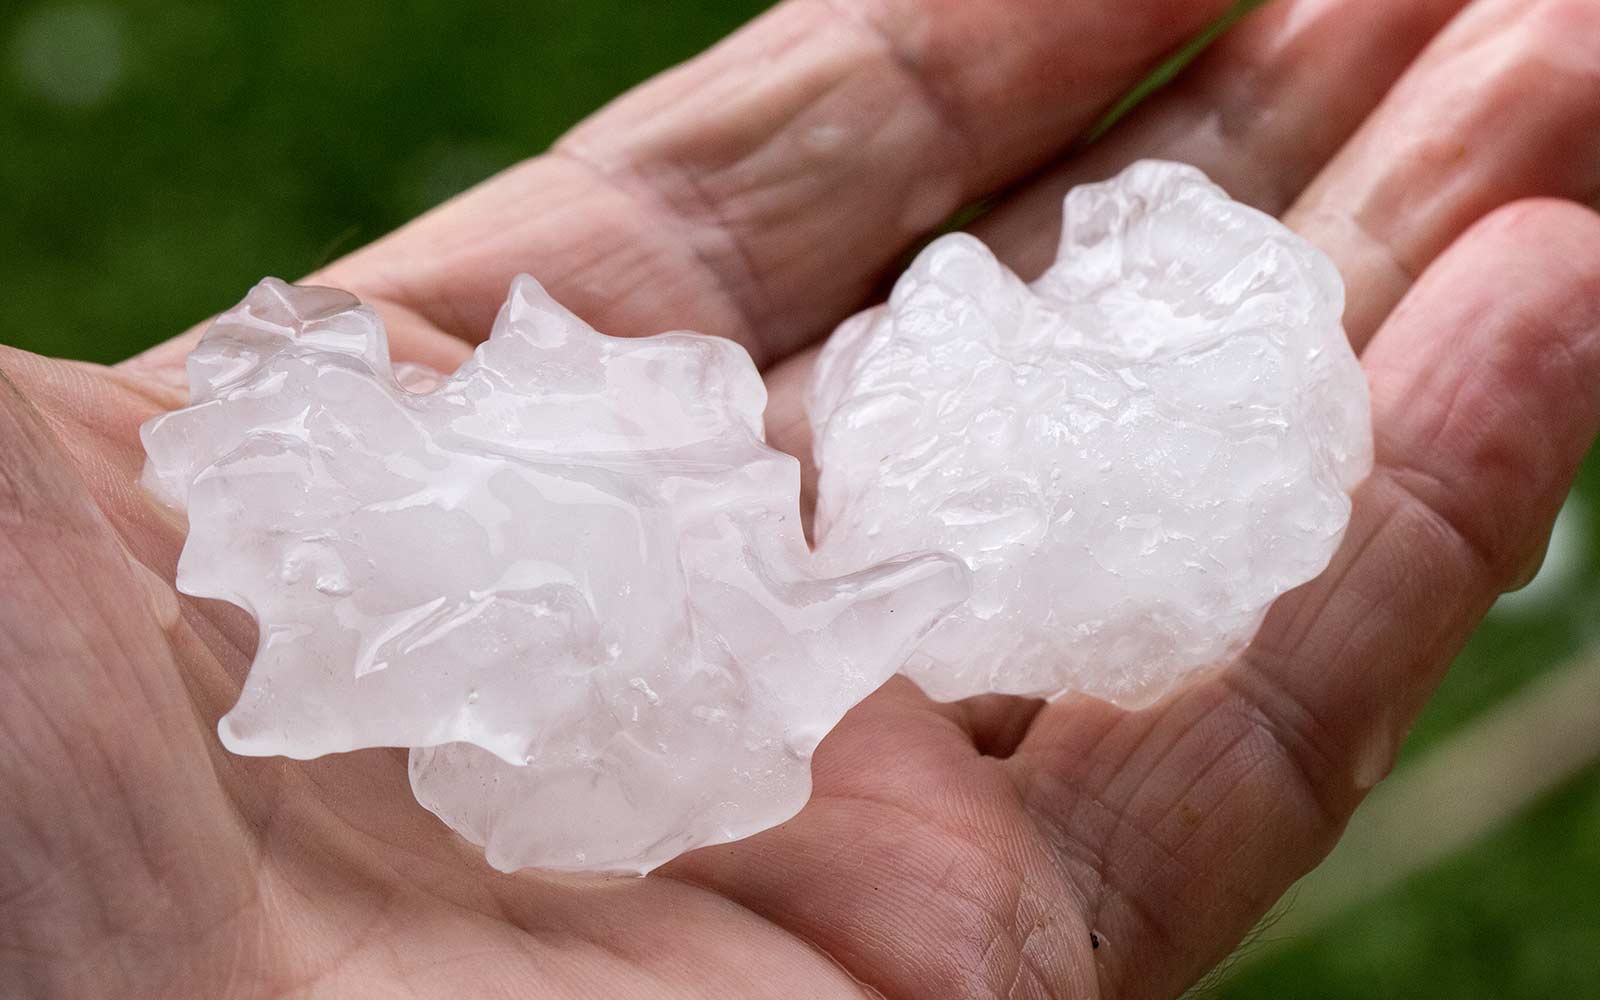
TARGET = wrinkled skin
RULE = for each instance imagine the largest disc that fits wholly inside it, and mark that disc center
(762, 192)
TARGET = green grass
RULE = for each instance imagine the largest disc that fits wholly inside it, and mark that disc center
(1516, 917)
(161, 156)
(257, 138)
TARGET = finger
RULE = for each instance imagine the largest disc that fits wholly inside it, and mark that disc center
(1261, 112)
(1484, 403)
(1386, 205)
(758, 191)
(1199, 813)
(1504, 105)
(788, 428)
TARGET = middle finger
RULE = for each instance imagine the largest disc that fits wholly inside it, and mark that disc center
(1516, 82)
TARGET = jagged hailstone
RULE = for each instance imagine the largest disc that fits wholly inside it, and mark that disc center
(571, 574)
(1135, 454)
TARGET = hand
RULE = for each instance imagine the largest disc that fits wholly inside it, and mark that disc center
(990, 848)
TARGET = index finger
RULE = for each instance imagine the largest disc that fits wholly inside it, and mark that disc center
(759, 191)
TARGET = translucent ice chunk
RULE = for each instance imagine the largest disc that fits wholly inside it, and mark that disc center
(1135, 455)
(572, 572)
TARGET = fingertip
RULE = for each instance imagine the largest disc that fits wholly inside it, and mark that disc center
(1570, 229)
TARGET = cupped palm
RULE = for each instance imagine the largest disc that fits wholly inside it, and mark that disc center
(994, 847)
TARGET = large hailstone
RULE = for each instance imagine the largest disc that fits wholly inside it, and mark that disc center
(572, 573)
(1135, 454)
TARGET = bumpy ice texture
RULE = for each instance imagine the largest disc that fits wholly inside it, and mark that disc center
(1135, 454)
(571, 574)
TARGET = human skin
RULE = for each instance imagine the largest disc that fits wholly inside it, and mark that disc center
(990, 848)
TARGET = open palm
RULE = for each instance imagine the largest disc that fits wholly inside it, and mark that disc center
(990, 848)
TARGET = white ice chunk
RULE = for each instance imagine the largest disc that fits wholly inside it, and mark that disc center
(572, 572)
(1135, 455)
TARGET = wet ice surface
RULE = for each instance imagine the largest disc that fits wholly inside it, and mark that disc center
(571, 574)
(1135, 454)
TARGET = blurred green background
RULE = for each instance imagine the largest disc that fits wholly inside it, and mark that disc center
(159, 157)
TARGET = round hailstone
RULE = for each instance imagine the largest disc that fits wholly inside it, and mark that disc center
(572, 573)
(1135, 454)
